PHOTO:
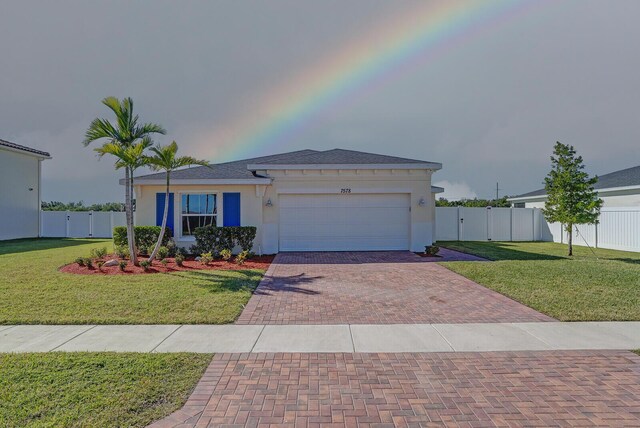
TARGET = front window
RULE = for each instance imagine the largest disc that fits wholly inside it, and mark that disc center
(198, 209)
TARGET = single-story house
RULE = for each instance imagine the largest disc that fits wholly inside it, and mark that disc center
(307, 200)
(20, 178)
(616, 189)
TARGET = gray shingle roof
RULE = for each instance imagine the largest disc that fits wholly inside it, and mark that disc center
(23, 148)
(238, 169)
(341, 157)
(227, 170)
(622, 178)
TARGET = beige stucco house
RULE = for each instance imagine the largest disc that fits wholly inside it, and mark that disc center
(308, 200)
(20, 178)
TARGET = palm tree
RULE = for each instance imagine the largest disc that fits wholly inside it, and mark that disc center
(165, 160)
(125, 133)
(130, 158)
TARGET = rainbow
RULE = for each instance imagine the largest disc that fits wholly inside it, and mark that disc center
(369, 60)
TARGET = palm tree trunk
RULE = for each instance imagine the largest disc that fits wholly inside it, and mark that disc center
(164, 223)
(129, 214)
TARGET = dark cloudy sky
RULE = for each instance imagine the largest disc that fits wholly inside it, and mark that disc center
(489, 107)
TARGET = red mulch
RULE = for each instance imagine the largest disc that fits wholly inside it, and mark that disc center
(256, 262)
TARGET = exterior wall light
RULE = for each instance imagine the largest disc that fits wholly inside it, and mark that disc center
(269, 203)
(422, 202)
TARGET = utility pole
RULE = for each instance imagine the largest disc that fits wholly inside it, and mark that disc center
(497, 192)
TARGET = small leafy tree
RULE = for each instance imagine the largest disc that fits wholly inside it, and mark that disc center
(571, 198)
(165, 159)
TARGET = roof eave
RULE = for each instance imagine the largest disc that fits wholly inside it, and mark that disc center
(199, 181)
(40, 155)
(433, 166)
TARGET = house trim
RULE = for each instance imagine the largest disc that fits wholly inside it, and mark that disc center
(25, 152)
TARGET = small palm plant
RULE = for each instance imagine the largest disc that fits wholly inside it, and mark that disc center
(130, 158)
(125, 133)
(165, 159)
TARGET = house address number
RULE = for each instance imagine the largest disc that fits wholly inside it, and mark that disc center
(347, 190)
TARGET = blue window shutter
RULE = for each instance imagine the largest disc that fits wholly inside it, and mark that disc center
(160, 210)
(231, 208)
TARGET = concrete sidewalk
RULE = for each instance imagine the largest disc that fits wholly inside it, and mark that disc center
(322, 338)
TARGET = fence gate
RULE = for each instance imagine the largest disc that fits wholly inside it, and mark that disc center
(79, 224)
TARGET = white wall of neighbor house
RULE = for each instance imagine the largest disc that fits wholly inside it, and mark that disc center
(19, 195)
(610, 199)
(250, 207)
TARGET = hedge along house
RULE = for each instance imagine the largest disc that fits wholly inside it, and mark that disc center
(334, 200)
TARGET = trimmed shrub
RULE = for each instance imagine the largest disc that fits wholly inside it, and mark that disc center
(240, 258)
(88, 262)
(122, 251)
(163, 253)
(227, 237)
(244, 237)
(431, 250)
(225, 254)
(207, 240)
(216, 239)
(146, 236)
(172, 247)
(145, 265)
(100, 263)
(179, 259)
(80, 261)
(122, 265)
(98, 253)
(206, 258)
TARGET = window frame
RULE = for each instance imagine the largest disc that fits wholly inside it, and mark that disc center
(178, 207)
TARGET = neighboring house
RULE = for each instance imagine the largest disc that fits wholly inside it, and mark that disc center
(334, 200)
(616, 189)
(20, 177)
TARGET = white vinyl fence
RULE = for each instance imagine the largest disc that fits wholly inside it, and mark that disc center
(79, 224)
(618, 228)
(489, 224)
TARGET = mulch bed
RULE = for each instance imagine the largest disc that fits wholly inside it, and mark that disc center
(190, 264)
(428, 256)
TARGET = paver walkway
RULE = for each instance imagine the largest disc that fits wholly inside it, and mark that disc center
(567, 388)
(394, 287)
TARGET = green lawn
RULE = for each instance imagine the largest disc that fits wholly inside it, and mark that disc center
(587, 287)
(34, 291)
(94, 390)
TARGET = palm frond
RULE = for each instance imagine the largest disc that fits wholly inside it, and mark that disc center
(98, 129)
(146, 129)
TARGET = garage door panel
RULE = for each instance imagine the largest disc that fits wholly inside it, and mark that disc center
(344, 222)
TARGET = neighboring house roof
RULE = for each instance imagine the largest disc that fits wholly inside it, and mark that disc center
(623, 178)
(238, 170)
(29, 150)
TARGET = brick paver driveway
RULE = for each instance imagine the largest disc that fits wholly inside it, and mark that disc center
(577, 388)
(373, 288)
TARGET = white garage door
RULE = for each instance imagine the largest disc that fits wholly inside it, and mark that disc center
(351, 222)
